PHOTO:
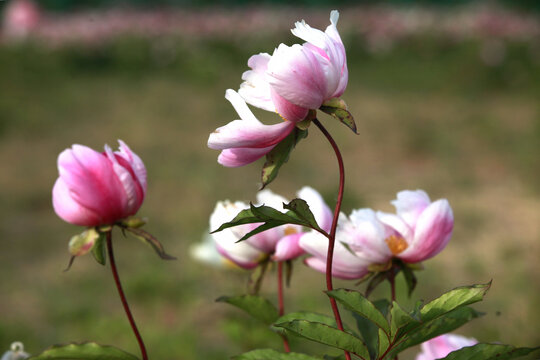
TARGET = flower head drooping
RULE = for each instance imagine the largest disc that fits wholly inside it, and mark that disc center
(419, 231)
(98, 188)
(297, 78)
(441, 346)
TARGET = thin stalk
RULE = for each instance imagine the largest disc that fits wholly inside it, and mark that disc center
(332, 234)
(280, 301)
(123, 297)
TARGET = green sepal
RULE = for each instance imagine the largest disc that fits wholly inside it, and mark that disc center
(327, 335)
(150, 240)
(279, 155)
(256, 306)
(99, 250)
(84, 351)
(82, 243)
(338, 109)
(490, 352)
(133, 222)
(304, 124)
(269, 354)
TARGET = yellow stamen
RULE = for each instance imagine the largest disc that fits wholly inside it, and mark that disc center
(289, 230)
(396, 244)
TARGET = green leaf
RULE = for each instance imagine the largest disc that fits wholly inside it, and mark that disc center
(357, 303)
(308, 316)
(399, 318)
(375, 281)
(268, 354)
(256, 306)
(384, 343)
(453, 299)
(441, 325)
(338, 109)
(327, 335)
(85, 351)
(489, 352)
(150, 240)
(279, 155)
(300, 208)
(298, 214)
(99, 250)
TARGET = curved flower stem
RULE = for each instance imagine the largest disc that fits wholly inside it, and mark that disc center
(280, 301)
(123, 297)
(332, 235)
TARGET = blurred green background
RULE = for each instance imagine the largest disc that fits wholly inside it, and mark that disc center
(456, 116)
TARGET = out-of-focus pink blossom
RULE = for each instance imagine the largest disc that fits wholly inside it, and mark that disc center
(98, 188)
(441, 346)
(419, 231)
(280, 243)
(244, 141)
(297, 78)
(20, 17)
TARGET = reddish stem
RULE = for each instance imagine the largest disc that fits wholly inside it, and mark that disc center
(332, 235)
(281, 303)
(123, 297)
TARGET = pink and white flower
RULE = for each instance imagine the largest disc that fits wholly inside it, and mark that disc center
(419, 231)
(297, 78)
(441, 346)
(98, 188)
(244, 141)
(280, 243)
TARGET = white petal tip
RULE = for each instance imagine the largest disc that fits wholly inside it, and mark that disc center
(334, 17)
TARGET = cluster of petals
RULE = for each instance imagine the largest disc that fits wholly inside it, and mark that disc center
(441, 346)
(419, 230)
(280, 243)
(98, 188)
(291, 81)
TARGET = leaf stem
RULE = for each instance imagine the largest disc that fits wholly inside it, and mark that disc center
(280, 301)
(123, 297)
(332, 235)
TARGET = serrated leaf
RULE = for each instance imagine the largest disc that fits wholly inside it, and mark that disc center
(441, 325)
(489, 352)
(327, 335)
(99, 250)
(354, 301)
(150, 240)
(85, 351)
(256, 306)
(279, 155)
(269, 354)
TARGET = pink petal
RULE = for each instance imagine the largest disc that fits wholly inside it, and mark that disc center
(92, 182)
(441, 346)
(433, 231)
(70, 210)
(410, 204)
(135, 163)
(286, 109)
(288, 248)
(236, 157)
(255, 89)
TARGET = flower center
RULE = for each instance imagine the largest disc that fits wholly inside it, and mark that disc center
(396, 244)
(289, 230)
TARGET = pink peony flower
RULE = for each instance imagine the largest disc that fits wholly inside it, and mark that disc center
(419, 231)
(441, 346)
(299, 77)
(98, 188)
(280, 243)
(20, 18)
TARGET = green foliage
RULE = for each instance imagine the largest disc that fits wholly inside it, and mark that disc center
(308, 316)
(256, 306)
(279, 155)
(338, 110)
(327, 335)
(149, 239)
(99, 250)
(85, 351)
(269, 354)
(298, 213)
(489, 352)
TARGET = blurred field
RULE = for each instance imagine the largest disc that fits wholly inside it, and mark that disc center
(431, 113)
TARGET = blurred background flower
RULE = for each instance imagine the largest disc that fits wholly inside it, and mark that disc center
(445, 95)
